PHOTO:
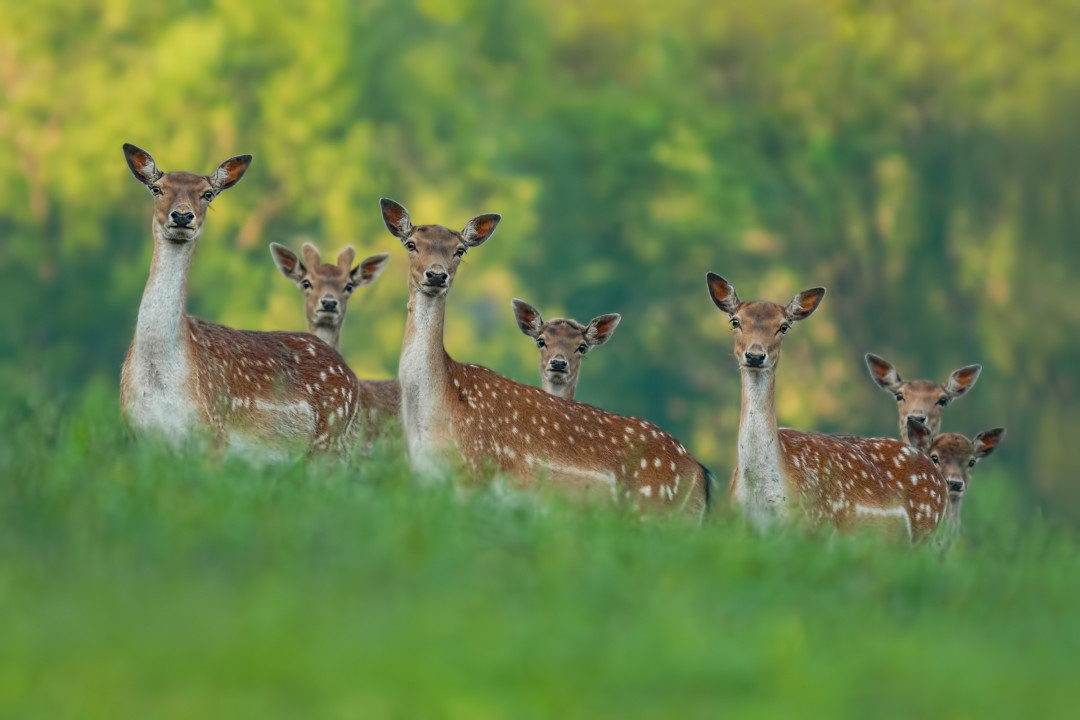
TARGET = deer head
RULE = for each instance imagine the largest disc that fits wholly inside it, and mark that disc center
(327, 287)
(922, 400)
(563, 342)
(181, 198)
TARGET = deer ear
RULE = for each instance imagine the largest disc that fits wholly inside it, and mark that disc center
(919, 435)
(479, 229)
(804, 304)
(287, 262)
(722, 293)
(962, 380)
(528, 318)
(311, 255)
(396, 218)
(987, 441)
(142, 164)
(369, 269)
(883, 373)
(602, 328)
(345, 258)
(229, 172)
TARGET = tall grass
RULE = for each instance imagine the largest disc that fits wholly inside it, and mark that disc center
(138, 582)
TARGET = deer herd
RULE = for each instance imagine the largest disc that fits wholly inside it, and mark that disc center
(271, 395)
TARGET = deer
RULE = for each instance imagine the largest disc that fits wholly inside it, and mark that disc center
(783, 476)
(327, 288)
(956, 456)
(466, 414)
(922, 400)
(562, 342)
(261, 394)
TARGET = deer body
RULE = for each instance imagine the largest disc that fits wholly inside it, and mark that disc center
(563, 343)
(454, 410)
(784, 474)
(262, 394)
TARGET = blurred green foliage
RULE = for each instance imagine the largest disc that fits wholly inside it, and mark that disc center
(917, 158)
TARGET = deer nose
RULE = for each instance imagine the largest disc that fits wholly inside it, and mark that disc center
(920, 417)
(436, 278)
(956, 486)
(558, 363)
(329, 304)
(183, 219)
(755, 356)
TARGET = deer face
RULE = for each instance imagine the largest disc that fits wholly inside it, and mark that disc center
(760, 326)
(921, 400)
(435, 251)
(563, 343)
(327, 287)
(181, 198)
(955, 456)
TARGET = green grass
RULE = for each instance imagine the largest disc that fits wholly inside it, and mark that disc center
(140, 583)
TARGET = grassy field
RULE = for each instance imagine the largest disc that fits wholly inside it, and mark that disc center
(138, 583)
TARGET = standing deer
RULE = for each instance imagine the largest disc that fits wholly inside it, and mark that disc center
(838, 479)
(260, 393)
(955, 457)
(563, 342)
(921, 400)
(452, 410)
(327, 288)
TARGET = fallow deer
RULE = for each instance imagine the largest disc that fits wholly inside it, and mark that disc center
(456, 411)
(260, 393)
(327, 288)
(783, 475)
(921, 400)
(955, 457)
(563, 342)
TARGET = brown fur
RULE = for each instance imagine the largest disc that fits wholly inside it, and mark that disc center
(921, 400)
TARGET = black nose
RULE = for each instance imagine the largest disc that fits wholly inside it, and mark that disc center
(956, 487)
(755, 357)
(329, 304)
(558, 364)
(436, 278)
(919, 417)
(182, 219)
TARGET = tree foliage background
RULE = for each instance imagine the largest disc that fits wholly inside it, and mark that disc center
(917, 158)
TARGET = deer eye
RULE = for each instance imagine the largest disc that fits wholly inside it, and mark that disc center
(410, 246)
(208, 195)
(306, 284)
(784, 329)
(934, 458)
(460, 252)
(943, 401)
(899, 397)
(735, 323)
(349, 287)
(971, 462)
(540, 343)
(582, 348)
(155, 190)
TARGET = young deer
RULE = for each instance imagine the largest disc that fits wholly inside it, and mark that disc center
(563, 342)
(259, 392)
(452, 410)
(955, 457)
(921, 400)
(326, 291)
(327, 287)
(838, 479)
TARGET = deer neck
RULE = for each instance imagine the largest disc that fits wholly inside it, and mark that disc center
(423, 374)
(158, 368)
(561, 390)
(331, 335)
(950, 525)
(761, 489)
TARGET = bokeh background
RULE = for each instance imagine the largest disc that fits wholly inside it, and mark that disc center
(918, 158)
